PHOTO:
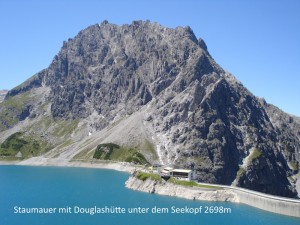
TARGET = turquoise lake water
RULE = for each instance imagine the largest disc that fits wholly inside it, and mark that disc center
(68, 188)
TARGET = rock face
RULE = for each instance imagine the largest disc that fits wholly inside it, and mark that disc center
(166, 188)
(194, 113)
(2, 95)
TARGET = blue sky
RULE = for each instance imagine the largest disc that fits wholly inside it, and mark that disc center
(255, 40)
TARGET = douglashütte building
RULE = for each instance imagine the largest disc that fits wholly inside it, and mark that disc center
(183, 174)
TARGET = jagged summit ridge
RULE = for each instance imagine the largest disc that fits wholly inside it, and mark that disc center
(144, 83)
(142, 58)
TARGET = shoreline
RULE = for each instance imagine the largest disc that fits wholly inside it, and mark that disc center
(275, 204)
(174, 190)
(3, 163)
(41, 161)
(270, 203)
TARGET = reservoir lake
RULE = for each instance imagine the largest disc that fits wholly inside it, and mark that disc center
(86, 196)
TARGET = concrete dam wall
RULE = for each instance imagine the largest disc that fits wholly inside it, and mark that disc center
(271, 203)
(284, 206)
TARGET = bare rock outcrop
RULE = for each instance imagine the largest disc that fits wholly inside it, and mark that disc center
(169, 189)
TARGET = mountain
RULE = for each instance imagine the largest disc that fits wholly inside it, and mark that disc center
(2, 95)
(142, 92)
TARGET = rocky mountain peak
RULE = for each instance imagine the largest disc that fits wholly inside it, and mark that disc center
(158, 90)
(139, 59)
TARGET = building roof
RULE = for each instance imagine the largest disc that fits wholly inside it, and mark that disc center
(182, 171)
(168, 168)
